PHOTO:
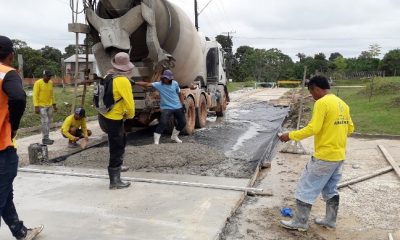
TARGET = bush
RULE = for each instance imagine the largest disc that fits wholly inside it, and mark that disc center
(382, 87)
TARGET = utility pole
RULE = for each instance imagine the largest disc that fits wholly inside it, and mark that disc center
(229, 55)
(229, 37)
(196, 15)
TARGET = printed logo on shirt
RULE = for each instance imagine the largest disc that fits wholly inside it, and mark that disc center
(341, 122)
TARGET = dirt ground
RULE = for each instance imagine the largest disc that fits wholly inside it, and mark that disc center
(368, 210)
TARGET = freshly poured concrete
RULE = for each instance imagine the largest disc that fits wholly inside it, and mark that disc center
(84, 209)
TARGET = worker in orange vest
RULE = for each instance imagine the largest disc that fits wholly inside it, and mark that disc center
(12, 107)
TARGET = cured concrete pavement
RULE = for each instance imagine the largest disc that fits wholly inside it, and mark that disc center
(76, 208)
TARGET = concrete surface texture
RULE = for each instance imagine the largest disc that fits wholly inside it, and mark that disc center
(82, 208)
(368, 210)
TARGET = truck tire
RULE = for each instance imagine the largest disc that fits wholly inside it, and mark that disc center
(190, 116)
(221, 107)
(201, 113)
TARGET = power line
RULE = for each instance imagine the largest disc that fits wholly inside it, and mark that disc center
(205, 6)
(226, 15)
(216, 20)
(318, 39)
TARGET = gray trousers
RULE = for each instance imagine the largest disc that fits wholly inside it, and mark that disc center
(46, 117)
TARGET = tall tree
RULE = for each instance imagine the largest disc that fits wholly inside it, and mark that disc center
(241, 51)
(301, 56)
(340, 64)
(51, 53)
(229, 61)
(70, 50)
(334, 55)
(391, 62)
(320, 62)
(226, 42)
(19, 44)
(278, 65)
(374, 50)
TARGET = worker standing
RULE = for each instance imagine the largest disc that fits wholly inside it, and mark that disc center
(12, 107)
(75, 128)
(172, 103)
(44, 103)
(330, 125)
(112, 121)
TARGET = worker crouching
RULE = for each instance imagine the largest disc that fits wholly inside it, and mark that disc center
(74, 128)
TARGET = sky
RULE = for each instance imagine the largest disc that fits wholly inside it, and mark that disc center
(292, 26)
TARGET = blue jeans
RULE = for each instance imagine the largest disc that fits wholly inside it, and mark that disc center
(166, 114)
(319, 177)
(8, 171)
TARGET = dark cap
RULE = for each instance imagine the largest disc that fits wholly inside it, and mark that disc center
(47, 73)
(168, 75)
(80, 112)
(6, 45)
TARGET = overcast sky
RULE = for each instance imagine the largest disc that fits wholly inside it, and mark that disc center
(293, 26)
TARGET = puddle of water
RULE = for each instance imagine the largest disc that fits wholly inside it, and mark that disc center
(251, 132)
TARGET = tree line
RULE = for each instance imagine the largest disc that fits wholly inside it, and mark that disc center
(262, 65)
(46, 58)
(246, 64)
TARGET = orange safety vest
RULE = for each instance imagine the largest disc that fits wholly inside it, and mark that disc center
(5, 125)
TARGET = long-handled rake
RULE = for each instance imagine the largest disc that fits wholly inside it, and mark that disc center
(294, 146)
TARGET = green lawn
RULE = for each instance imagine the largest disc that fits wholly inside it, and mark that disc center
(234, 86)
(379, 114)
(64, 98)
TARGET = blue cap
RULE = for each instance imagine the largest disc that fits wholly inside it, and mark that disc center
(168, 75)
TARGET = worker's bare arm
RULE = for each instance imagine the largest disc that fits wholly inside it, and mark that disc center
(144, 84)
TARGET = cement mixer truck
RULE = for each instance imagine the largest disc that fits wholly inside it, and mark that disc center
(158, 35)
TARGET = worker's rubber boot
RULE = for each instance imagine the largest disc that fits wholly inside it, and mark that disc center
(174, 136)
(157, 138)
(300, 219)
(115, 179)
(332, 207)
(32, 233)
(47, 141)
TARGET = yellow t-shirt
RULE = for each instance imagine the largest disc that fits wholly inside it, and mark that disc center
(330, 125)
(122, 88)
(69, 122)
(43, 93)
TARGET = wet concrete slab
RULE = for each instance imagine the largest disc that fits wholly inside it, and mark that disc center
(83, 208)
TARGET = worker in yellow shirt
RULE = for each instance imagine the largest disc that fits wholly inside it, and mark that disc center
(112, 121)
(44, 103)
(74, 128)
(330, 125)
